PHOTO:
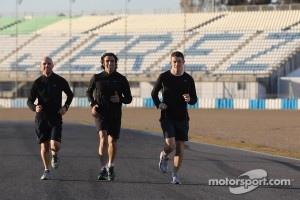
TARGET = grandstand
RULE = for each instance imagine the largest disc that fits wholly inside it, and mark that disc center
(230, 54)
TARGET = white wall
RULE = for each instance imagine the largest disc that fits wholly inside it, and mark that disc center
(145, 89)
(252, 90)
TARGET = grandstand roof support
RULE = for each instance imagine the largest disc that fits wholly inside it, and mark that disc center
(125, 33)
(70, 43)
(18, 2)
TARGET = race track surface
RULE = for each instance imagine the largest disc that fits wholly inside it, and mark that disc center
(136, 165)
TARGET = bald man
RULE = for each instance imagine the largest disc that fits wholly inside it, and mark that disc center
(47, 89)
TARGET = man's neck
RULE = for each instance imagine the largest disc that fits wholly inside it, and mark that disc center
(172, 72)
(47, 75)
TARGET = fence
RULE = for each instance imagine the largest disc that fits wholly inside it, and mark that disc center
(203, 103)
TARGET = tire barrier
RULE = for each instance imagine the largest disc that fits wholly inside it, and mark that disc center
(224, 104)
(205, 103)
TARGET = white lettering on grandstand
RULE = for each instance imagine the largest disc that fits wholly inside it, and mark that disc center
(257, 177)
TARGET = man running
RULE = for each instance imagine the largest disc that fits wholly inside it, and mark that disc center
(47, 89)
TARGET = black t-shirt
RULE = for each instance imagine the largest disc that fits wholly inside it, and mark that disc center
(172, 88)
(101, 87)
(48, 91)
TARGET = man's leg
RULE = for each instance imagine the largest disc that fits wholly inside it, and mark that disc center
(178, 156)
(103, 147)
(103, 154)
(163, 157)
(45, 154)
(169, 135)
(170, 145)
(55, 146)
(55, 142)
(114, 128)
(112, 149)
(112, 152)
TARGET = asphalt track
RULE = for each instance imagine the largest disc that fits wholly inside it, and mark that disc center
(137, 174)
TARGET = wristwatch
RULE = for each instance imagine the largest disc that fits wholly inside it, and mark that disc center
(92, 104)
(66, 106)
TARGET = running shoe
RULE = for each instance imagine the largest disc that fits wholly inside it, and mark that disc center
(110, 173)
(175, 179)
(55, 161)
(163, 162)
(46, 175)
(103, 174)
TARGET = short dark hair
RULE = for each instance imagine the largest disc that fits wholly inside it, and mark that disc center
(177, 54)
(108, 54)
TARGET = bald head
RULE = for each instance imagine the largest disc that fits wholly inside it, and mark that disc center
(46, 59)
(46, 66)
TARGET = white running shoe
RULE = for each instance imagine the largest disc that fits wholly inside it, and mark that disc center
(110, 173)
(175, 179)
(163, 162)
(46, 174)
(55, 161)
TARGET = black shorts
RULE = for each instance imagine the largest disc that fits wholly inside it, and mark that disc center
(177, 129)
(112, 127)
(47, 130)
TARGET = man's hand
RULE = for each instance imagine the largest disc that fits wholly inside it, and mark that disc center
(186, 97)
(115, 98)
(94, 111)
(162, 106)
(38, 108)
(62, 110)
